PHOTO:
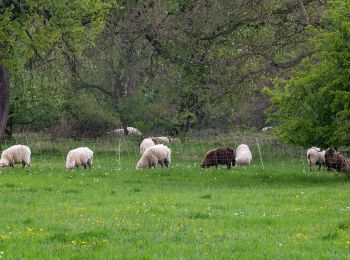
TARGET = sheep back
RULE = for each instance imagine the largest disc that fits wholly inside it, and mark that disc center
(81, 156)
(335, 160)
(146, 143)
(315, 156)
(152, 156)
(243, 155)
(161, 139)
(218, 156)
(17, 154)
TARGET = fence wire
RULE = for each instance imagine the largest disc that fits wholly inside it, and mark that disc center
(124, 152)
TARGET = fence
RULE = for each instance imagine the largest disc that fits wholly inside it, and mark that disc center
(123, 152)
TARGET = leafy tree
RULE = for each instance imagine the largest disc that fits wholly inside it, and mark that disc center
(208, 59)
(313, 107)
(41, 31)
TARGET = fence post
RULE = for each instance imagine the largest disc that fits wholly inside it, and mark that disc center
(120, 163)
(261, 160)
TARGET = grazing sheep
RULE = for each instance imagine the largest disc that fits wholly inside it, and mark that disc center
(266, 129)
(17, 154)
(133, 131)
(219, 156)
(243, 155)
(335, 160)
(174, 139)
(315, 156)
(81, 156)
(161, 139)
(146, 143)
(120, 131)
(154, 155)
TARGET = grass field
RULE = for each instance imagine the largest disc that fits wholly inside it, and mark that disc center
(113, 211)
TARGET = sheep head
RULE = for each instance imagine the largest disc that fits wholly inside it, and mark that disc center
(4, 163)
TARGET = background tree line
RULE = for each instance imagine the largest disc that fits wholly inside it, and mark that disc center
(80, 68)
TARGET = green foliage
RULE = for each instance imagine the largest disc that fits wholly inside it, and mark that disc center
(43, 29)
(36, 98)
(312, 108)
(84, 116)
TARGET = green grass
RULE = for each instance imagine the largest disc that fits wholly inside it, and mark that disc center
(279, 211)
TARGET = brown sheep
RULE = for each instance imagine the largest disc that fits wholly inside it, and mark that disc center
(219, 156)
(335, 160)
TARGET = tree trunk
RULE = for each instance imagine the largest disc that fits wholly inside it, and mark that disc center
(4, 98)
(304, 15)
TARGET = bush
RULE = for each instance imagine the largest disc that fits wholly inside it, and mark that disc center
(84, 117)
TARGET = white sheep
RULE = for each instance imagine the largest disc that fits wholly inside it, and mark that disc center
(158, 154)
(146, 143)
(133, 131)
(266, 129)
(120, 131)
(174, 139)
(243, 155)
(315, 156)
(81, 156)
(17, 154)
(161, 139)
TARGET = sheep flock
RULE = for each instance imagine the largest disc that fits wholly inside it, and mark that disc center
(155, 151)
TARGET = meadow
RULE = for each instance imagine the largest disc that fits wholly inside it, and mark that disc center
(273, 209)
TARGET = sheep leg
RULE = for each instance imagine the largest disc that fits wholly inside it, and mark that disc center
(23, 164)
(228, 166)
(319, 167)
(89, 164)
(84, 166)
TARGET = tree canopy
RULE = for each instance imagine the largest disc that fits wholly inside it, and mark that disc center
(40, 33)
(313, 106)
(161, 66)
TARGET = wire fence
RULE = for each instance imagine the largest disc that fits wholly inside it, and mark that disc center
(123, 152)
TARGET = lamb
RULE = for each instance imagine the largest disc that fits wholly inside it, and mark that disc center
(17, 154)
(81, 156)
(335, 160)
(219, 156)
(315, 156)
(243, 155)
(146, 143)
(154, 155)
(161, 139)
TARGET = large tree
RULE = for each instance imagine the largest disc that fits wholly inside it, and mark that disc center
(313, 107)
(208, 58)
(41, 31)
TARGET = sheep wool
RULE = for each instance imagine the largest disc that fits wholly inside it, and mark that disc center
(81, 156)
(218, 156)
(161, 140)
(315, 156)
(154, 155)
(146, 143)
(243, 155)
(337, 161)
(17, 154)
